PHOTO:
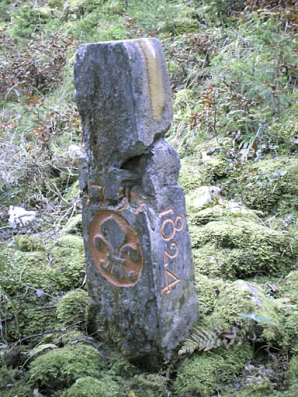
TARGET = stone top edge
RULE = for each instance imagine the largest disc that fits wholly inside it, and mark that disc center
(121, 41)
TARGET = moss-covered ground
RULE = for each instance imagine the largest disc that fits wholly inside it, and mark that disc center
(233, 70)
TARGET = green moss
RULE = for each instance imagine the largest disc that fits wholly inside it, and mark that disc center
(69, 336)
(182, 98)
(72, 3)
(33, 281)
(202, 197)
(60, 267)
(27, 19)
(207, 166)
(33, 318)
(245, 306)
(228, 211)
(288, 287)
(179, 25)
(208, 290)
(58, 369)
(267, 184)
(284, 131)
(289, 329)
(73, 226)
(29, 243)
(206, 373)
(286, 334)
(109, 334)
(239, 304)
(13, 383)
(242, 249)
(56, 3)
(195, 173)
(190, 176)
(241, 297)
(72, 307)
(148, 385)
(293, 371)
(91, 387)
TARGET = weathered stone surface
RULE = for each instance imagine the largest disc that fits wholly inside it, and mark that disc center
(138, 254)
(122, 90)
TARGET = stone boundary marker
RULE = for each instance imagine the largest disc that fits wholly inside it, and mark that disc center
(138, 254)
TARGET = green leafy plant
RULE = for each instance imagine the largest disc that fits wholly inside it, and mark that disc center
(257, 319)
(5, 8)
(29, 21)
(203, 339)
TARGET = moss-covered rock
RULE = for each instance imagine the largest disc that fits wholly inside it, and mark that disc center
(32, 282)
(91, 387)
(227, 211)
(206, 373)
(207, 166)
(202, 197)
(240, 308)
(72, 307)
(148, 385)
(195, 172)
(58, 369)
(244, 298)
(270, 184)
(285, 335)
(190, 176)
(208, 290)
(29, 243)
(242, 249)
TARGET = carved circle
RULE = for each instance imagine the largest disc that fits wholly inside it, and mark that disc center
(115, 248)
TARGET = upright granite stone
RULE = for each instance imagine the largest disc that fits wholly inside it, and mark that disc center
(138, 254)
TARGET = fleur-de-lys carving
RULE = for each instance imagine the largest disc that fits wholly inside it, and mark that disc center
(115, 248)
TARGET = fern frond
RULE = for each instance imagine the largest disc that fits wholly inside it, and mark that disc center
(203, 339)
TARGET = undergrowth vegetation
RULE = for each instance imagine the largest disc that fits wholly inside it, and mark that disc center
(233, 68)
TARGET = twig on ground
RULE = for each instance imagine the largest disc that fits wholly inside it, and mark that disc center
(50, 331)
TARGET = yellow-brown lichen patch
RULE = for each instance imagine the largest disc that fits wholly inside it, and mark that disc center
(157, 96)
